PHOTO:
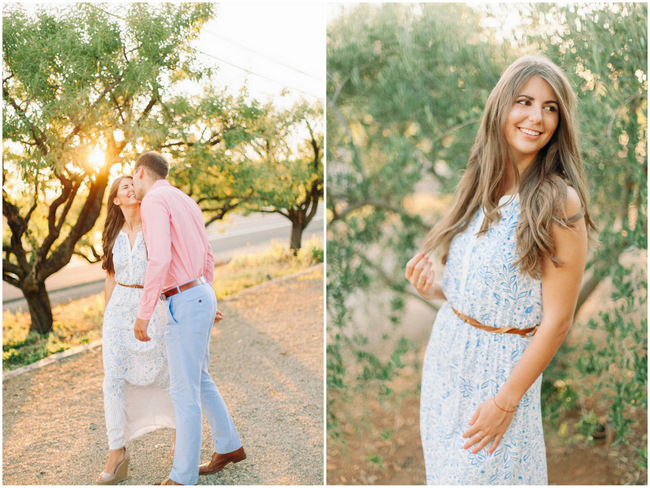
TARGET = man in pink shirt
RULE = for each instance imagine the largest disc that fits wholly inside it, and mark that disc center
(180, 271)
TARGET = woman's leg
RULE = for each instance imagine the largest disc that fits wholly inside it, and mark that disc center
(115, 414)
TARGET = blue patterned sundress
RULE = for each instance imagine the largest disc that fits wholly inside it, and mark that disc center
(465, 366)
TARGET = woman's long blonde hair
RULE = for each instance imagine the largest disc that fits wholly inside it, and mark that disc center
(542, 187)
(112, 226)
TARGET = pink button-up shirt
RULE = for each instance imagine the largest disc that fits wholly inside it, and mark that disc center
(178, 250)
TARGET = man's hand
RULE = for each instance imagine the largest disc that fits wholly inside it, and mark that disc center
(140, 330)
(218, 317)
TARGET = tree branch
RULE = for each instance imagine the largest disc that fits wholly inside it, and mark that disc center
(375, 203)
(9, 270)
(39, 137)
(95, 259)
(599, 267)
(78, 125)
(54, 229)
(148, 108)
(338, 89)
(18, 225)
(275, 210)
(348, 131)
(85, 221)
(118, 107)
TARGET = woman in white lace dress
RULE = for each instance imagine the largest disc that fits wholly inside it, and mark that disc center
(515, 244)
(136, 376)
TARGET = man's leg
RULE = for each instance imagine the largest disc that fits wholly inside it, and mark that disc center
(223, 429)
(187, 331)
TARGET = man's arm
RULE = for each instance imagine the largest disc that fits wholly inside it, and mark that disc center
(208, 271)
(156, 227)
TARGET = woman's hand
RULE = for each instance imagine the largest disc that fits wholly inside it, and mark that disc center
(489, 423)
(419, 272)
(218, 317)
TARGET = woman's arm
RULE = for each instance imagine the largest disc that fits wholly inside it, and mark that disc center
(560, 288)
(419, 272)
(109, 286)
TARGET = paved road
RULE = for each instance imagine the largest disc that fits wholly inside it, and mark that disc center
(241, 234)
(266, 358)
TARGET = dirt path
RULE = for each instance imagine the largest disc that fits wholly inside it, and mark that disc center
(267, 361)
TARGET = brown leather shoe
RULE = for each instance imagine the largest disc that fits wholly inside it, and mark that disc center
(219, 461)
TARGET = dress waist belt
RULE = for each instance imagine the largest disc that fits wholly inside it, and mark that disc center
(530, 332)
(130, 286)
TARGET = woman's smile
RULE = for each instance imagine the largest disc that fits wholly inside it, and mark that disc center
(530, 133)
(532, 120)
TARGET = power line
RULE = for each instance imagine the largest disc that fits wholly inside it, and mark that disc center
(240, 67)
(262, 54)
(258, 74)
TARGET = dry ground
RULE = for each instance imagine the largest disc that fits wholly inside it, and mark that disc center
(267, 361)
(403, 462)
(362, 455)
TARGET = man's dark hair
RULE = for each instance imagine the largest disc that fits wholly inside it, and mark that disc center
(155, 162)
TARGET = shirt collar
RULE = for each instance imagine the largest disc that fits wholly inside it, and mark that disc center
(159, 184)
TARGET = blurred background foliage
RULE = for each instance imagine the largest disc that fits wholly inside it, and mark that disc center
(407, 84)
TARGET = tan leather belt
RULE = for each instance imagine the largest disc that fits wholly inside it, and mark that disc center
(530, 332)
(130, 286)
(185, 286)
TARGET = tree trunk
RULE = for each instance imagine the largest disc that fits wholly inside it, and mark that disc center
(40, 309)
(296, 237)
(586, 290)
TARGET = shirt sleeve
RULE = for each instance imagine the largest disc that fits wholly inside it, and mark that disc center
(208, 272)
(156, 228)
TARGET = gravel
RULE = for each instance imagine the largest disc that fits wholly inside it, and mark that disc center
(267, 361)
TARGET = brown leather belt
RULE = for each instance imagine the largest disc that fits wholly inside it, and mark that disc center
(530, 332)
(130, 286)
(185, 286)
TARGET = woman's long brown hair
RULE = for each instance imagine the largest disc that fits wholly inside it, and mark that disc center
(542, 187)
(112, 226)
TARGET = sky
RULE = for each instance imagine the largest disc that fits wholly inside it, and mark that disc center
(268, 46)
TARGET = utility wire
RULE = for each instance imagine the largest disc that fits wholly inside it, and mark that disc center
(240, 67)
(275, 60)
(258, 74)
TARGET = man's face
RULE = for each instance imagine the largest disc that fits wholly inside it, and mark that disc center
(137, 183)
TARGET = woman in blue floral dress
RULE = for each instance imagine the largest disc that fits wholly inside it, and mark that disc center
(515, 246)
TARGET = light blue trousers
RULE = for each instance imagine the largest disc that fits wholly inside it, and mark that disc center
(187, 336)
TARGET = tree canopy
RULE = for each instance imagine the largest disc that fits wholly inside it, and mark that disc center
(254, 157)
(85, 90)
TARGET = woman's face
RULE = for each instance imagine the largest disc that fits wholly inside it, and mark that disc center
(125, 193)
(532, 120)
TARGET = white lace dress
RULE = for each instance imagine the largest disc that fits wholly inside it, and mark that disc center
(464, 366)
(136, 375)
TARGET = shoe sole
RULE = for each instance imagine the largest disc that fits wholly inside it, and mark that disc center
(120, 474)
(236, 460)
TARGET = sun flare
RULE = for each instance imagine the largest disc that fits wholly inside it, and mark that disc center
(97, 157)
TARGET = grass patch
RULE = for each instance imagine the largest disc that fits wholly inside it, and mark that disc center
(80, 321)
(248, 270)
(75, 323)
